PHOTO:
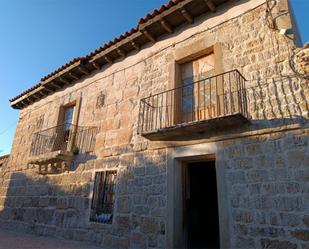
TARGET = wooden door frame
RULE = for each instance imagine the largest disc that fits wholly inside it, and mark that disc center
(189, 53)
(177, 157)
(61, 116)
(186, 188)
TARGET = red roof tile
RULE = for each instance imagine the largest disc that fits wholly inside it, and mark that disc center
(26, 91)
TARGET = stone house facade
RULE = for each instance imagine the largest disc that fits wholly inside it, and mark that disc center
(190, 130)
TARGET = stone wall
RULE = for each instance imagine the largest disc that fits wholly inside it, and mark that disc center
(258, 52)
(301, 61)
(267, 179)
(267, 199)
(59, 204)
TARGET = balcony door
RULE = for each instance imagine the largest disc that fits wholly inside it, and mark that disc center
(68, 123)
(198, 89)
(65, 130)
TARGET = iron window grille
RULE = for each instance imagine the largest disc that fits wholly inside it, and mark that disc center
(102, 206)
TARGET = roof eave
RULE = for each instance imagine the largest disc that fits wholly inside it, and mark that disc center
(115, 50)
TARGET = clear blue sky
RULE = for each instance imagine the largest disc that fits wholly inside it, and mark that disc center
(38, 36)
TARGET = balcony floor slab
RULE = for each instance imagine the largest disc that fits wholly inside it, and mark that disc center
(51, 157)
(180, 131)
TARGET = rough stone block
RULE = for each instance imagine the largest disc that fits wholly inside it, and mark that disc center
(149, 225)
(113, 242)
(271, 232)
(137, 241)
(243, 216)
(45, 216)
(237, 177)
(139, 171)
(123, 223)
(141, 210)
(290, 219)
(284, 203)
(244, 242)
(62, 203)
(297, 158)
(257, 176)
(276, 244)
(124, 204)
(301, 234)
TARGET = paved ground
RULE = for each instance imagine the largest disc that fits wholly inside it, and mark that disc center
(14, 240)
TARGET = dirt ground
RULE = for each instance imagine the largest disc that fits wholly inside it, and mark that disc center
(17, 240)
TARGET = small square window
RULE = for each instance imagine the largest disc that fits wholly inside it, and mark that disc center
(102, 206)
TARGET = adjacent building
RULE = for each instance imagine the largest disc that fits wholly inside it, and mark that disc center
(188, 131)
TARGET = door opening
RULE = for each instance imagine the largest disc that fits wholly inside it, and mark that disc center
(197, 89)
(201, 206)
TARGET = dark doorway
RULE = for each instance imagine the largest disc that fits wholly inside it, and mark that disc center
(202, 205)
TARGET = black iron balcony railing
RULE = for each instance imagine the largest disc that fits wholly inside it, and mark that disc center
(211, 98)
(65, 137)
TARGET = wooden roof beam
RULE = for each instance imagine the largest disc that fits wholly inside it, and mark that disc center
(47, 89)
(148, 35)
(186, 15)
(35, 97)
(210, 5)
(135, 45)
(73, 75)
(83, 70)
(55, 85)
(64, 80)
(166, 26)
(109, 60)
(41, 94)
(121, 52)
(96, 65)
(24, 102)
(31, 98)
(38, 95)
(17, 106)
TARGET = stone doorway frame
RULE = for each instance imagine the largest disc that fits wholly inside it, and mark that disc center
(177, 158)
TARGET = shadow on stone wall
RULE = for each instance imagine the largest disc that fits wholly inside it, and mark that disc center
(81, 159)
(272, 103)
(266, 178)
(45, 204)
(59, 205)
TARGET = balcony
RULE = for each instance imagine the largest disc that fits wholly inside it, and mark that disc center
(53, 148)
(217, 102)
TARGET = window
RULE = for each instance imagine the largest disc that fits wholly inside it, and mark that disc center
(102, 206)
